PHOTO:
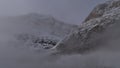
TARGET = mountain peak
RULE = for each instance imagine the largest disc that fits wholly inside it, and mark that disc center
(101, 9)
(90, 34)
(37, 16)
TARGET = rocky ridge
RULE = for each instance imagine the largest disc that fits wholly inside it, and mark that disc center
(88, 36)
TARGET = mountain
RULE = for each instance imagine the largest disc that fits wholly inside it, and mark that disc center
(100, 28)
(35, 29)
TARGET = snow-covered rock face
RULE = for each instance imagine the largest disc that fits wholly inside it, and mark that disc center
(92, 30)
(34, 30)
(105, 8)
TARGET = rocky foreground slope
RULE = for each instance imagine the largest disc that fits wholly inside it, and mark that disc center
(101, 26)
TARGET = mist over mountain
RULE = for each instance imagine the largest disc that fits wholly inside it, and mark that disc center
(35, 28)
(92, 31)
(41, 41)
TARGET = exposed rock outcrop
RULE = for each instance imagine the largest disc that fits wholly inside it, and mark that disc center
(90, 34)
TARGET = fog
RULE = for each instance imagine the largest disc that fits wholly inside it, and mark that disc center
(13, 54)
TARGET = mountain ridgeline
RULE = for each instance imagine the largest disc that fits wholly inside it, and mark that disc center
(40, 41)
(99, 29)
(35, 30)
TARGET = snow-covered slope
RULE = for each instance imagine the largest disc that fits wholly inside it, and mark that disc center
(34, 29)
(93, 30)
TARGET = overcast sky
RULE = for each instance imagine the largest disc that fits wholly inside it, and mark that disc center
(71, 11)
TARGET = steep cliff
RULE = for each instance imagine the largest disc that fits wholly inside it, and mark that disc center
(94, 31)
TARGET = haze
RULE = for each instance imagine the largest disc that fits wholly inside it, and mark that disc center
(71, 11)
(19, 53)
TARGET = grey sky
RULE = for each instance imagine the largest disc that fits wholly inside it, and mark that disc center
(71, 11)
